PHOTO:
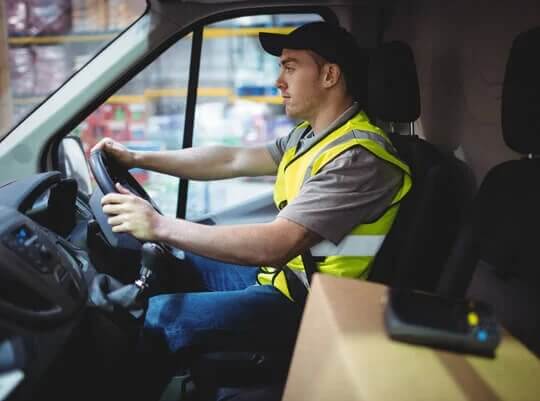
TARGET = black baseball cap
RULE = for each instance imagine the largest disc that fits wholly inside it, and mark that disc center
(330, 41)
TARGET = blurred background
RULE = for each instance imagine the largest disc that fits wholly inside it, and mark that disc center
(237, 102)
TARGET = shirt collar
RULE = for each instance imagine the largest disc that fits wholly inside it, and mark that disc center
(338, 122)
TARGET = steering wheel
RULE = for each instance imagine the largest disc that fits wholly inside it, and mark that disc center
(107, 171)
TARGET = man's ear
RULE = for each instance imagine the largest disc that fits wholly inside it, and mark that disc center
(331, 74)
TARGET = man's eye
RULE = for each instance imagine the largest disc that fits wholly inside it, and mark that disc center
(289, 69)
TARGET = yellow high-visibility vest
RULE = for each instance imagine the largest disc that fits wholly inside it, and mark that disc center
(353, 256)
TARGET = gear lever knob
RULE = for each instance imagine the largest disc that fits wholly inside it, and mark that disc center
(151, 254)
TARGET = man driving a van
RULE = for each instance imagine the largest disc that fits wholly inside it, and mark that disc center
(338, 184)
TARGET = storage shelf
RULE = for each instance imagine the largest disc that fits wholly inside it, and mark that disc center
(150, 94)
(59, 39)
(210, 33)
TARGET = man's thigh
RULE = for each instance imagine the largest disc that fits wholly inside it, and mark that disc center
(215, 275)
(254, 316)
(198, 273)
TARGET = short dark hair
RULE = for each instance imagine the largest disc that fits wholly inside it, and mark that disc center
(334, 44)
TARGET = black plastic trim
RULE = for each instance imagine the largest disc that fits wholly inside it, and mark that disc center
(189, 122)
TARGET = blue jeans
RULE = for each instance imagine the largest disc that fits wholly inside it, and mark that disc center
(228, 311)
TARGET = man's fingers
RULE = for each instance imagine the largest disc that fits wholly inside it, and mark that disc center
(122, 189)
(115, 220)
(115, 209)
(105, 142)
(113, 198)
(97, 146)
(121, 228)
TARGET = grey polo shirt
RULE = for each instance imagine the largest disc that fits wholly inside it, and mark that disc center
(355, 188)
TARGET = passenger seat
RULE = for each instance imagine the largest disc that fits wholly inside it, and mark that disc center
(497, 257)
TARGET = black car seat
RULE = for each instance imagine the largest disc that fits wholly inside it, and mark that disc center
(414, 252)
(497, 259)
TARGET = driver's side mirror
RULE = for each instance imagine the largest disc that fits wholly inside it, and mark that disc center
(72, 163)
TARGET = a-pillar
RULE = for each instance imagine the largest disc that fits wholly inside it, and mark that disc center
(6, 105)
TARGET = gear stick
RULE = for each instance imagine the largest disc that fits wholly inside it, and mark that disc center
(152, 254)
(109, 294)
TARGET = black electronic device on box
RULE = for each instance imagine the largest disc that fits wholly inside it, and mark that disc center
(456, 324)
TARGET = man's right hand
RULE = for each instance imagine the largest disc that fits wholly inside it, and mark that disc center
(116, 150)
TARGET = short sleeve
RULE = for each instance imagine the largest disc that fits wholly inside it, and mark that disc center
(354, 188)
(277, 148)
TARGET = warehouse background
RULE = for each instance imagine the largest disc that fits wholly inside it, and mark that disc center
(44, 42)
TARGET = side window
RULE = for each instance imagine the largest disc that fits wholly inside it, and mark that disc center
(147, 114)
(238, 103)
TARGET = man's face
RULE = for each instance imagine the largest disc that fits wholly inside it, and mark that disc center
(300, 83)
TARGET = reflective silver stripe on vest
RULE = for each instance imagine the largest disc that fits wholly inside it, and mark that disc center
(302, 276)
(351, 245)
(295, 136)
(386, 144)
(354, 134)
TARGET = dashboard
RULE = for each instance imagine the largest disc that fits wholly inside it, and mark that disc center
(46, 230)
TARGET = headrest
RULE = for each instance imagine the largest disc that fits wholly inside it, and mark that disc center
(393, 93)
(520, 112)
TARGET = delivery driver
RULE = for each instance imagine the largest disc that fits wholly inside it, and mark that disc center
(338, 184)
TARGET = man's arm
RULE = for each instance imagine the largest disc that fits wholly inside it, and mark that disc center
(209, 162)
(201, 163)
(269, 244)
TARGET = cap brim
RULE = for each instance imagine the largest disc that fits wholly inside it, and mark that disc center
(273, 43)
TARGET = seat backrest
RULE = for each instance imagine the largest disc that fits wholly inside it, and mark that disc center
(423, 233)
(501, 248)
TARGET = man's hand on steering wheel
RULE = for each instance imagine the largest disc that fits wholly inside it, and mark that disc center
(132, 214)
(117, 151)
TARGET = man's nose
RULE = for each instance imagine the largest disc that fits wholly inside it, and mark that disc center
(280, 83)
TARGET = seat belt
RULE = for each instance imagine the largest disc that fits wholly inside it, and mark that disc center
(310, 265)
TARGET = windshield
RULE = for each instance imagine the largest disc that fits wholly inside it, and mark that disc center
(45, 41)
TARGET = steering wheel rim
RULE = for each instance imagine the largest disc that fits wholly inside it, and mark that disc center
(107, 171)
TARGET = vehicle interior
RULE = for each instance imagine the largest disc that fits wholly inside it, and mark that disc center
(455, 85)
